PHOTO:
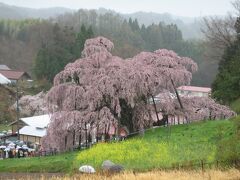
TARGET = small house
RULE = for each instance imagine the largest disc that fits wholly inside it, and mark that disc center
(194, 91)
(15, 76)
(4, 67)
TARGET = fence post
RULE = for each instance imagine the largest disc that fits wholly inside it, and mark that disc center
(235, 163)
(202, 165)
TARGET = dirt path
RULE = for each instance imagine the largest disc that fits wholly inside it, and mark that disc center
(26, 176)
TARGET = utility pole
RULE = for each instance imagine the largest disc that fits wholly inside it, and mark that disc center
(17, 112)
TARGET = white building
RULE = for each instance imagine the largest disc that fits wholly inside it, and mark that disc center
(32, 129)
(4, 67)
(193, 91)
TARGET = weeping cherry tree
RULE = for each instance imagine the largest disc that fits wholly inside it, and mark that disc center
(92, 91)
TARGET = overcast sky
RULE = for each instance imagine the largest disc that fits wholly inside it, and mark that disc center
(191, 8)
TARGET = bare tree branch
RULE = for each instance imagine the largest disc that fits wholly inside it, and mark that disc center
(236, 5)
(220, 32)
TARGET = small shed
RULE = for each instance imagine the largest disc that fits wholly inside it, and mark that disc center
(123, 132)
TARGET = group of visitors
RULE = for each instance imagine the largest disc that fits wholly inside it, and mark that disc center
(15, 153)
(12, 150)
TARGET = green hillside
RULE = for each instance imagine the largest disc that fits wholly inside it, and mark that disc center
(7, 98)
(158, 148)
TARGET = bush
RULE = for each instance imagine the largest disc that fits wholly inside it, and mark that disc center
(229, 149)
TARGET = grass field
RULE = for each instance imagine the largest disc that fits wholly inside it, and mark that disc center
(158, 148)
(60, 163)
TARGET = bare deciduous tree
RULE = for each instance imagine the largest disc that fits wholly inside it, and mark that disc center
(236, 5)
(220, 32)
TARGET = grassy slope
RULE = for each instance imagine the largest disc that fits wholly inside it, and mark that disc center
(157, 148)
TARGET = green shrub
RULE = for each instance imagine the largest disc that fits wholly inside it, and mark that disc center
(228, 149)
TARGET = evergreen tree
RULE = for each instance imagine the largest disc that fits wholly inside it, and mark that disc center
(65, 47)
(81, 37)
(134, 24)
(226, 87)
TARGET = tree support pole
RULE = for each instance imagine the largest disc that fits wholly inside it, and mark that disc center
(155, 107)
(80, 139)
(178, 97)
(86, 135)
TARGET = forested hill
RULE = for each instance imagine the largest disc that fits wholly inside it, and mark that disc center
(190, 27)
(27, 44)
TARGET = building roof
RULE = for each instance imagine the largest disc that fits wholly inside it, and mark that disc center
(4, 80)
(37, 121)
(4, 67)
(32, 131)
(14, 75)
(195, 89)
